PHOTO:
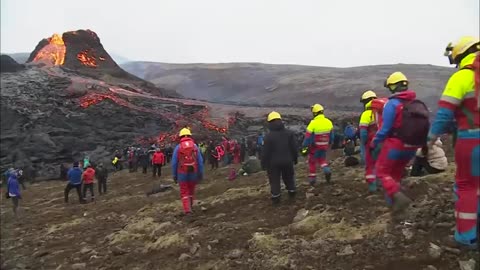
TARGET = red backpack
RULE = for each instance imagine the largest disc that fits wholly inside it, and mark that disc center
(476, 70)
(475, 67)
(187, 156)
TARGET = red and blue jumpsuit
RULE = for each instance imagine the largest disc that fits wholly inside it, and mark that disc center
(368, 129)
(187, 180)
(458, 103)
(394, 154)
(318, 137)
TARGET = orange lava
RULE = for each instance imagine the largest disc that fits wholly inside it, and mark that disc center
(53, 53)
(86, 58)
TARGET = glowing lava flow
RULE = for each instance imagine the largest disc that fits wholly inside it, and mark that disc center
(86, 58)
(196, 121)
(52, 53)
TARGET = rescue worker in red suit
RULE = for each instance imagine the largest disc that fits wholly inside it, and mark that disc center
(187, 168)
(368, 129)
(318, 137)
(460, 102)
(394, 153)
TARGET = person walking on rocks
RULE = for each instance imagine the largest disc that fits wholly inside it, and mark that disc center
(404, 129)
(318, 137)
(13, 190)
(158, 160)
(368, 129)
(88, 177)
(187, 168)
(102, 175)
(460, 102)
(74, 181)
(279, 156)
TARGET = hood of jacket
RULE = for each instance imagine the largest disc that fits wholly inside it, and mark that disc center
(276, 125)
(467, 60)
(368, 105)
(405, 95)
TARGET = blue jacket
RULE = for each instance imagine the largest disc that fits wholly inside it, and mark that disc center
(260, 140)
(187, 177)
(75, 176)
(12, 185)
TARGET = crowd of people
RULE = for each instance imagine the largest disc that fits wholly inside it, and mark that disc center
(393, 133)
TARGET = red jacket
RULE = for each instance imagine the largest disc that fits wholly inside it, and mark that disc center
(158, 158)
(88, 175)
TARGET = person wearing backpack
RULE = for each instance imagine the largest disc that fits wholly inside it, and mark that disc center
(368, 129)
(158, 160)
(318, 137)
(460, 102)
(187, 168)
(404, 129)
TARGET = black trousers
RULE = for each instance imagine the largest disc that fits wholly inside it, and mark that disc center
(144, 169)
(157, 170)
(214, 163)
(88, 187)
(102, 186)
(286, 172)
(70, 187)
(420, 163)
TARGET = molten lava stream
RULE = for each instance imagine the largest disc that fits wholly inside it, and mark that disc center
(53, 53)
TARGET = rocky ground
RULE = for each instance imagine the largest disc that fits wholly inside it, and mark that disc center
(335, 226)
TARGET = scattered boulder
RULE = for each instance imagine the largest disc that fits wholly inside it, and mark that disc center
(434, 251)
(348, 250)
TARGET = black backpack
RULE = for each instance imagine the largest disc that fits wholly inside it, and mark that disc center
(415, 123)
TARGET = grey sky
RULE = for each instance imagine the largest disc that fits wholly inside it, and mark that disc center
(310, 32)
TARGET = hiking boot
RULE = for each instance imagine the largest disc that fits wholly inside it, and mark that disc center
(400, 202)
(276, 201)
(328, 176)
(450, 242)
(372, 187)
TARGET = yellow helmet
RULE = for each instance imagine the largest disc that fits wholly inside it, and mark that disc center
(455, 51)
(368, 94)
(273, 115)
(317, 108)
(185, 132)
(395, 78)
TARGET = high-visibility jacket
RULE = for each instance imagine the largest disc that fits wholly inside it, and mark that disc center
(458, 101)
(319, 133)
(367, 125)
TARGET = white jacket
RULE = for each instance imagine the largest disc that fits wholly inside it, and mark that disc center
(435, 156)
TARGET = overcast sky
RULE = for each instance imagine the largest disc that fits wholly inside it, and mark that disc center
(310, 32)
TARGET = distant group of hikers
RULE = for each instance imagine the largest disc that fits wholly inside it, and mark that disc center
(392, 134)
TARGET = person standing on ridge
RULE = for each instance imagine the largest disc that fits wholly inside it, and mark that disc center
(158, 160)
(74, 175)
(187, 168)
(88, 179)
(102, 175)
(368, 129)
(318, 137)
(278, 157)
(460, 102)
(404, 130)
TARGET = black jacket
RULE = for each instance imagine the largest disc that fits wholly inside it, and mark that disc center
(279, 146)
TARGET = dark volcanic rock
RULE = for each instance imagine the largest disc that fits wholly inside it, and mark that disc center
(7, 64)
(84, 54)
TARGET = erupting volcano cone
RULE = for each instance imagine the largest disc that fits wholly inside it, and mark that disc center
(82, 52)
